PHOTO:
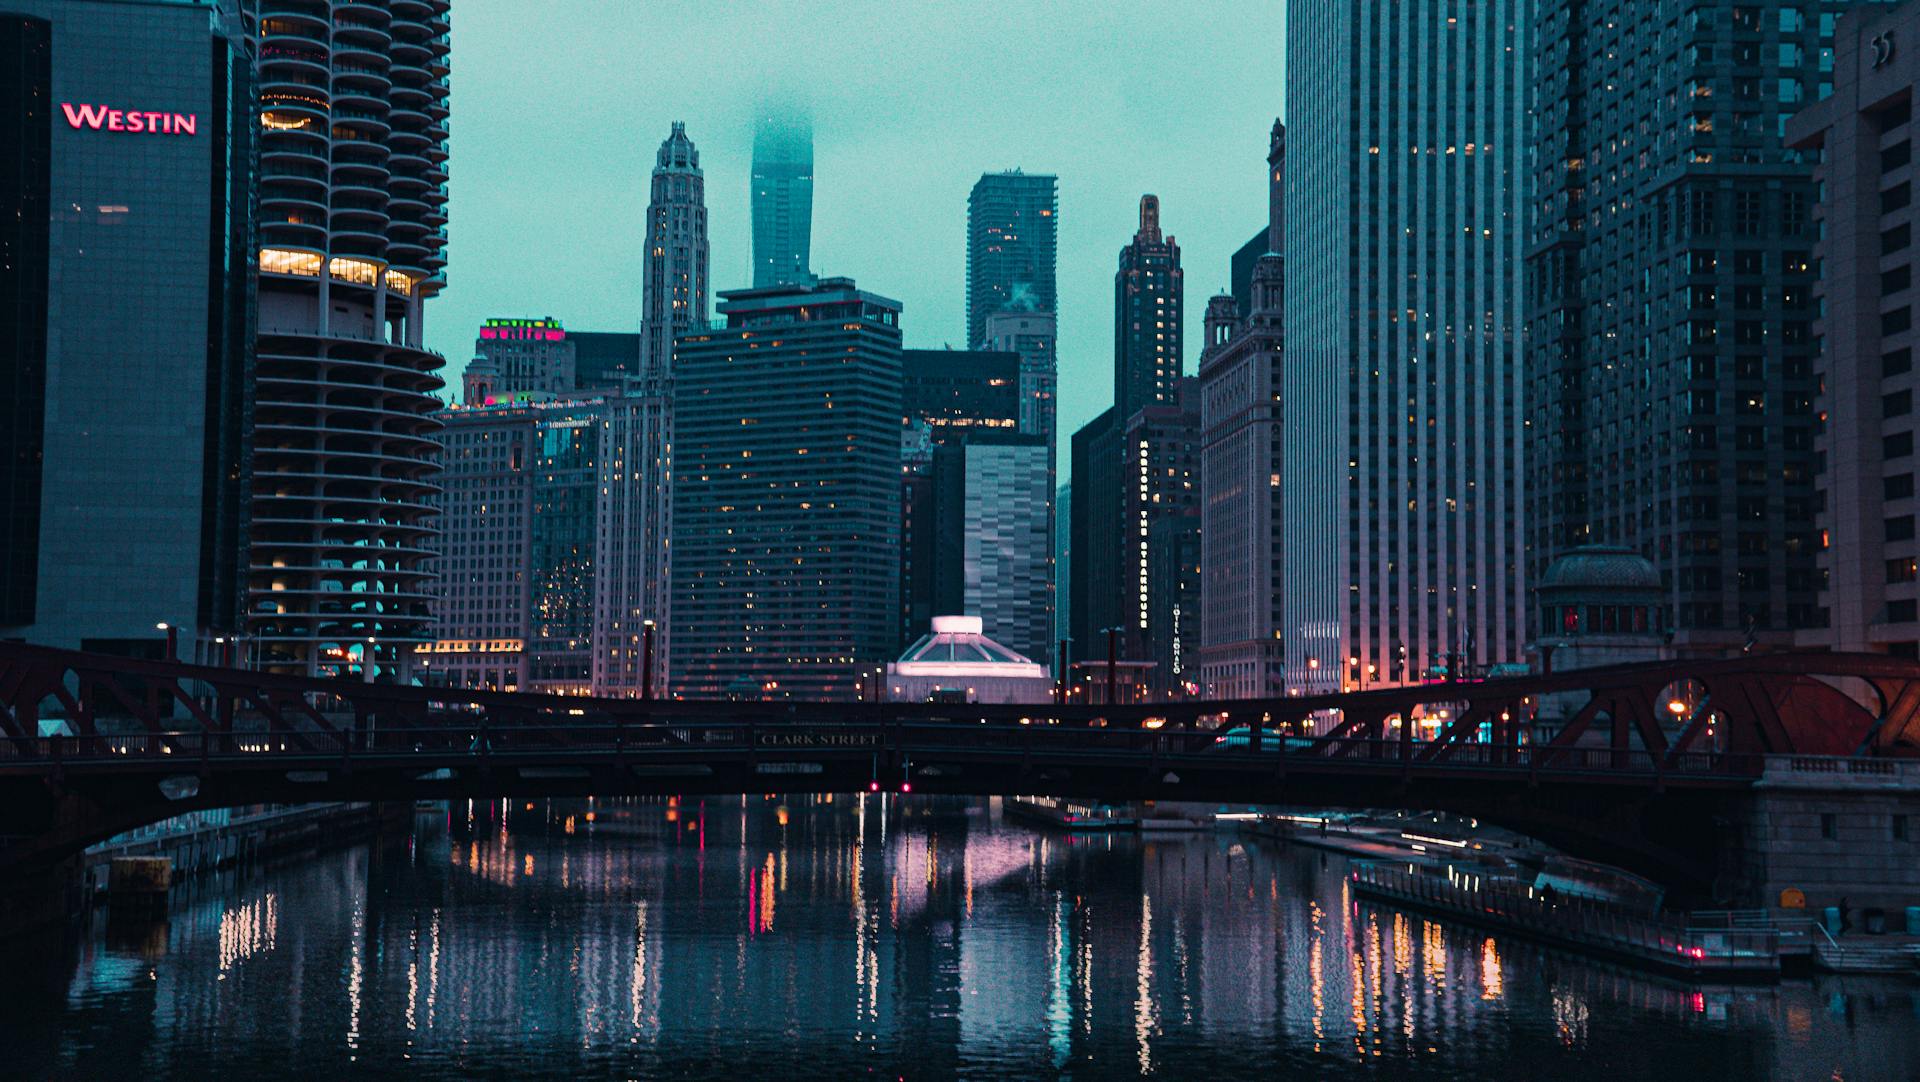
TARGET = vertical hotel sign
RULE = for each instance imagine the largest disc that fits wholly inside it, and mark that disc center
(132, 121)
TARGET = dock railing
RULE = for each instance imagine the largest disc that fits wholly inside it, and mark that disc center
(1506, 903)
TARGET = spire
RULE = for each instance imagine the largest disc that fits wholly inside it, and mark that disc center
(1149, 219)
(677, 152)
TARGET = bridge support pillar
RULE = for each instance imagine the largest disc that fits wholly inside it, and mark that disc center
(34, 900)
(1830, 830)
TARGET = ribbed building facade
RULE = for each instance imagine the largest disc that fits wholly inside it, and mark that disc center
(353, 129)
(1405, 432)
(786, 494)
(1013, 230)
(1671, 343)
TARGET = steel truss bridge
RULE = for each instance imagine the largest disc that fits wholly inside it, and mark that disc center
(1650, 769)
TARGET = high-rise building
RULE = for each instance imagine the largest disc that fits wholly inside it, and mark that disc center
(353, 152)
(1147, 296)
(782, 199)
(1032, 336)
(1862, 137)
(1158, 582)
(126, 323)
(532, 573)
(527, 355)
(1094, 525)
(1062, 563)
(1241, 526)
(786, 494)
(993, 543)
(605, 360)
(1402, 451)
(969, 514)
(486, 516)
(1671, 311)
(1013, 226)
(674, 291)
(1268, 239)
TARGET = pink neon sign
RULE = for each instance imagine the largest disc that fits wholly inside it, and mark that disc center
(102, 118)
(524, 334)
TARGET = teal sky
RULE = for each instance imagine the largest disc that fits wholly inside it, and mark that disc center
(558, 109)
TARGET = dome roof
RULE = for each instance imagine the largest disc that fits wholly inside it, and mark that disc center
(957, 647)
(1600, 567)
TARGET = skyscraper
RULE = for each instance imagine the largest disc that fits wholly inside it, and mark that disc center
(1402, 449)
(1147, 295)
(1241, 526)
(1863, 135)
(353, 230)
(126, 323)
(782, 199)
(786, 495)
(1012, 240)
(1671, 339)
(976, 513)
(674, 291)
(1158, 532)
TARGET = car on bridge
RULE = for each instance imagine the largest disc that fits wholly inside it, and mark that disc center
(1241, 736)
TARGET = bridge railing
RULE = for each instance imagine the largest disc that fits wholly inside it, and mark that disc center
(915, 738)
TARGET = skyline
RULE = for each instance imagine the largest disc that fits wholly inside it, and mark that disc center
(899, 229)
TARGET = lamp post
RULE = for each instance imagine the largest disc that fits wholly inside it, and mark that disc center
(646, 663)
(173, 639)
(1060, 681)
(1113, 659)
(366, 662)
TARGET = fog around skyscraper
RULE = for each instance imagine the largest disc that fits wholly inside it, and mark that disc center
(782, 187)
(908, 111)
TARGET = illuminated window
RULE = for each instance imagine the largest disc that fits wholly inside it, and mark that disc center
(357, 271)
(285, 261)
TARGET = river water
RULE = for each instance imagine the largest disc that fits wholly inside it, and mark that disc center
(869, 936)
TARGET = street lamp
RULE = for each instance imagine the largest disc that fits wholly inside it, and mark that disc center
(646, 664)
(173, 639)
(1113, 659)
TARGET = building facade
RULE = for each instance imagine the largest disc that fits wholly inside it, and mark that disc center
(1671, 312)
(527, 355)
(946, 397)
(1867, 553)
(1158, 581)
(1147, 303)
(481, 598)
(786, 495)
(1402, 471)
(782, 199)
(674, 292)
(1013, 226)
(127, 367)
(353, 173)
(1241, 525)
(1094, 536)
(992, 538)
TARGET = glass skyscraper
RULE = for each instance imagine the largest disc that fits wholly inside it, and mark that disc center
(1404, 435)
(1012, 239)
(782, 199)
(126, 322)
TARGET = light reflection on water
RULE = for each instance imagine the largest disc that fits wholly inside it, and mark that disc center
(924, 938)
